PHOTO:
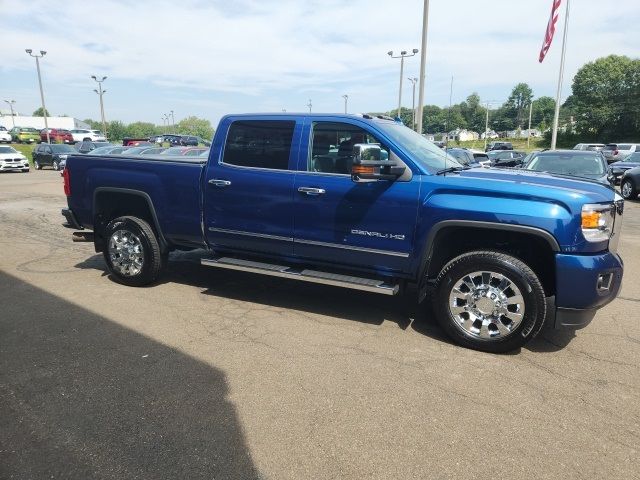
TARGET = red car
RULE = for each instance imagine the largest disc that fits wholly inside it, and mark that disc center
(56, 135)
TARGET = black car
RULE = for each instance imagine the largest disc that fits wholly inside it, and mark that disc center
(618, 168)
(574, 163)
(46, 155)
(499, 146)
(466, 157)
(630, 184)
(508, 158)
(87, 146)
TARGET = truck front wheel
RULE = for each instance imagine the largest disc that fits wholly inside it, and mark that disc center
(132, 251)
(489, 301)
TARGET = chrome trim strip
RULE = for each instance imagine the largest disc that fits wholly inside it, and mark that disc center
(348, 247)
(251, 234)
(383, 288)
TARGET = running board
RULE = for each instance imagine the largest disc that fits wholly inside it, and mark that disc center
(303, 274)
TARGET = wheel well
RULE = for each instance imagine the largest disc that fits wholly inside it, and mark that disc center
(533, 250)
(109, 205)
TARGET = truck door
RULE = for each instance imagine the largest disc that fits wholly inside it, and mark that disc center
(338, 221)
(248, 189)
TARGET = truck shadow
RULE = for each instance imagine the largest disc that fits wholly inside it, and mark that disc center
(353, 305)
(84, 397)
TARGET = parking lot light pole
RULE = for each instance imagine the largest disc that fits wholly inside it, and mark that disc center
(346, 99)
(173, 122)
(529, 130)
(101, 92)
(309, 105)
(11, 102)
(44, 108)
(402, 56)
(413, 81)
(166, 119)
(423, 62)
(486, 127)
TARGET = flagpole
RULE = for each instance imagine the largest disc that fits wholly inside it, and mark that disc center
(556, 115)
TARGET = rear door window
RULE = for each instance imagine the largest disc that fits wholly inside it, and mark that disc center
(259, 144)
(625, 146)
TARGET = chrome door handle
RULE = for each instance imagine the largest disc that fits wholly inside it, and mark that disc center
(312, 191)
(219, 183)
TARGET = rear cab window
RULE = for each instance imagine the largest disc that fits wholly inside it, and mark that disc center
(262, 144)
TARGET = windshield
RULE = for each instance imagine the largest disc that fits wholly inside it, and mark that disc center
(62, 148)
(634, 157)
(28, 130)
(581, 165)
(8, 150)
(421, 150)
(173, 151)
(101, 151)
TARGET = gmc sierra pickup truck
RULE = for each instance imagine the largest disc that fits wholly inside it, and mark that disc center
(365, 203)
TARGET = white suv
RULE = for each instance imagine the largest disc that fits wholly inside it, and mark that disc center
(81, 134)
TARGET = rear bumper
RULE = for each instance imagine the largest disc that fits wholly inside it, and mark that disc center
(584, 284)
(72, 221)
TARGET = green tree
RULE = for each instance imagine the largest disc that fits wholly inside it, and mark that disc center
(473, 112)
(542, 114)
(140, 130)
(93, 124)
(518, 103)
(605, 98)
(39, 111)
(116, 131)
(196, 126)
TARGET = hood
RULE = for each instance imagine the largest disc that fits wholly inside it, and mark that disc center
(12, 156)
(515, 182)
(624, 165)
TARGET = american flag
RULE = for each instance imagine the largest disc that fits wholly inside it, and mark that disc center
(551, 29)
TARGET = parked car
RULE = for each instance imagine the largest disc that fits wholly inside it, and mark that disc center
(135, 142)
(573, 163)
(156, 139)
(5, 136)
(188, 151)
(505, 158)
(630, 184)
(464, 156)
(153, 151)
(85, 135)
(56, 135)
(614, 152)
(108, 150)
(12, 160)
(86, 146)
(204, 153)
(50, 155)
(594, 147)
(137, 150)
(489, 245)
(24, 135)
(499, 146)
(618, 168)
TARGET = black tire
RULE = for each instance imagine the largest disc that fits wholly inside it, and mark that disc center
(55, 165)
(628, 189)
(526, 283)
(149, 249)
(36, 165)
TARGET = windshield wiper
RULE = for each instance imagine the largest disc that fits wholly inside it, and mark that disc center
(451, 170)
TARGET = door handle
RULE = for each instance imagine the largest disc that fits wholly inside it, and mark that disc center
(219, 183)
(312, 191)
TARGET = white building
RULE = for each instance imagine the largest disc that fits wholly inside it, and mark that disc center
(462, 135)
(66, 123)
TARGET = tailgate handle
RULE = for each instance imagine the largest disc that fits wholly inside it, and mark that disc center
(219, 183)
(311, 190)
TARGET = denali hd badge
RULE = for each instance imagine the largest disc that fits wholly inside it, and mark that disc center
(391, 236)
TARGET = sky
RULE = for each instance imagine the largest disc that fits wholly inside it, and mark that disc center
(209, 58)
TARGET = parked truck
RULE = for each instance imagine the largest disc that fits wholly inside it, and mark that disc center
(365, 203)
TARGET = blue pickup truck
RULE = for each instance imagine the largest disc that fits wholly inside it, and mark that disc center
(365, 203)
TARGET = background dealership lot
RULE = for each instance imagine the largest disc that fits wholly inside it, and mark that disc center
(251, 377)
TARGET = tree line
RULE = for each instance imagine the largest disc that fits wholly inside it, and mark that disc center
(117, 130)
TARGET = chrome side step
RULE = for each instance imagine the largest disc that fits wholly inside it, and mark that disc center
(305, 275)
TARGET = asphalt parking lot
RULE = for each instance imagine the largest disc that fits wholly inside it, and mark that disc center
(216, 374)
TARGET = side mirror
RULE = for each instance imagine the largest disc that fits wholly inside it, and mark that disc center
(368, 167)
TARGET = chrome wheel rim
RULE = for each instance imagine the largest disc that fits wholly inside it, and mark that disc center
(486, 305)
(626, 189)
(126, 253)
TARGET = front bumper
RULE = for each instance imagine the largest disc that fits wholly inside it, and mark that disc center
(4, 166)
(584, 284)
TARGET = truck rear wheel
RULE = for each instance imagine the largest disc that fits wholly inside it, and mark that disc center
(489, 301)
(132, 252)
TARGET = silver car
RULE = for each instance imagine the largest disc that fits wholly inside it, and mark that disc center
(614, 152)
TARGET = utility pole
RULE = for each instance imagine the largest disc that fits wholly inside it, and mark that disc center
(44, 108)
(556, 114)
(11, 102)
(309, 105)
(173, 122)
(486, 127)
(529, 130)
(423, 62)
(346, 99)
(101, 92)
(413, 81)
(402, 56)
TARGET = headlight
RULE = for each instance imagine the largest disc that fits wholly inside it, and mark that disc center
(597, 221)
(63, 157)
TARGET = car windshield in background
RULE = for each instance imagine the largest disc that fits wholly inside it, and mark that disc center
(101, 151)
(634, 157)
(62, 148)
(8, 150)
(574, 164)
(422, 150)
(173, 151)
(610, 147)
(29, 130)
